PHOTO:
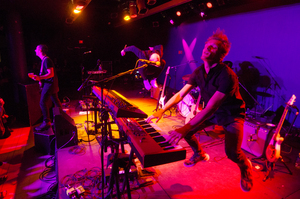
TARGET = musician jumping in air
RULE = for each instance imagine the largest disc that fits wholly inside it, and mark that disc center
(151, 72)
(219, 89)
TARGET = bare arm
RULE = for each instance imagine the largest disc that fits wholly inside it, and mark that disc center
(212, 105)
(49, 74)
(171, 102)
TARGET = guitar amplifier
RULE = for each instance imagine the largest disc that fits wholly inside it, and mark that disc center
(257, 136)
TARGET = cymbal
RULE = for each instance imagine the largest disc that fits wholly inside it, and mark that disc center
(263, 94)
(186, 77)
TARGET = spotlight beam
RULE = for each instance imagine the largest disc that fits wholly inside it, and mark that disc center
(160, 8)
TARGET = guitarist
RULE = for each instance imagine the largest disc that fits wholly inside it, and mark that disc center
(219, 89)
(49, 84)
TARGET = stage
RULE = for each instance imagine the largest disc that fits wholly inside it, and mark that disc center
(80, 165)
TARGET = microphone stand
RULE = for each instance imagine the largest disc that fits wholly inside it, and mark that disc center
(123, 73)
(104, 128)
(256, 102)
(82, 86)
(175, 72)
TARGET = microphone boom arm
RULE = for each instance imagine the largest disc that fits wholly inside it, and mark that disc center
(123, 73)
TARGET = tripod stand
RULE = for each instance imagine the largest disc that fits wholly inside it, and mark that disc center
(271, 165)
(273, 149)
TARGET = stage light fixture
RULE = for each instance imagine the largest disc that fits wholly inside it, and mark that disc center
(142, 7)
(126, 15)
(75, 11)
(172, 21)
(76, 7)
(151, 2)
(132, 9)
(209, 4)
(178, 13)
(202, 14)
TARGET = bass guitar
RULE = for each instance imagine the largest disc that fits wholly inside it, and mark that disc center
(163, 96)
(273, 149)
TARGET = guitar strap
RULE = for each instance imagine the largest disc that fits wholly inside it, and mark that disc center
(42, 64)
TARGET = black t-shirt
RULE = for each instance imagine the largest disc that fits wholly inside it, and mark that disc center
(50, 83)
(220, 78)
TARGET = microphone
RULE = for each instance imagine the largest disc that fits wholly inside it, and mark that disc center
(257, 57)
(87, 52)
(150, 62)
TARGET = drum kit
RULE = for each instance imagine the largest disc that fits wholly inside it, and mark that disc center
(185, 105)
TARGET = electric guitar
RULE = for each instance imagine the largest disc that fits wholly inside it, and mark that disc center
(32, 76)
(273, 149)
(163, 96)
(194, 110)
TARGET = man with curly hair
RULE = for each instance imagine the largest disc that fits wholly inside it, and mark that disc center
(224, 106)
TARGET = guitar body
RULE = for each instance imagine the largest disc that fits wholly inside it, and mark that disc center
(32, 76)
(273, 149)
(162, 102)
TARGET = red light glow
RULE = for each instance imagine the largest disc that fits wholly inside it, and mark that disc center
(209, 5)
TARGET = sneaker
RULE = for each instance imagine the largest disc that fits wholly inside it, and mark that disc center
(43, 126)
(196, 158)
(147, 84)
(247, 178)
(154, 83)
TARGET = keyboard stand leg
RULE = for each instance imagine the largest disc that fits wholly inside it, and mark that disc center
(123, 161)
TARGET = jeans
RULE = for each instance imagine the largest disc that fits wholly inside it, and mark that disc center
(233, 141)
(46, 95)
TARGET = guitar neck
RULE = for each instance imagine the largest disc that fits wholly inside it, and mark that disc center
(165, 82)
(279, 126)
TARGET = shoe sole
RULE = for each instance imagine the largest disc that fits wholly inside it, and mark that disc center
(204, 160)
(252, 180)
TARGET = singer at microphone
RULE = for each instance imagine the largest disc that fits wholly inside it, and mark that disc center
(157, 63)
(151, 57)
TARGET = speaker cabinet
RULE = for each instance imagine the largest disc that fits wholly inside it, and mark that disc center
(44, 141)
(30, 103)
(64, 128)
(256, 137)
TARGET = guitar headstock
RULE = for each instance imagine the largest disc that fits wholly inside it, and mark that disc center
(292, 100)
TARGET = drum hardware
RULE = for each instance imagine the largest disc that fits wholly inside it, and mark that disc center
(185, 105)
(186, 77)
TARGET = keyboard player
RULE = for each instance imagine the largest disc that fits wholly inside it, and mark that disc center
(219, 88)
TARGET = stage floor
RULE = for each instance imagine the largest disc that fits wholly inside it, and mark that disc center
(217, 178)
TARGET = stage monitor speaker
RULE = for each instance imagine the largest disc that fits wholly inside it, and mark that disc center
(64, 128)
(44, 141)
(256, 137)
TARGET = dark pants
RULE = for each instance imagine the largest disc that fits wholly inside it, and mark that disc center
(46, 95)
(233, 141)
